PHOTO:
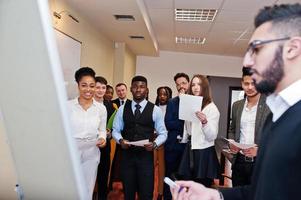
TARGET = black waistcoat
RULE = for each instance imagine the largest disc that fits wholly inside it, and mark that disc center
(138, 129)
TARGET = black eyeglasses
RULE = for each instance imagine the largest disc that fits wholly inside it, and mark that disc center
(253, 47)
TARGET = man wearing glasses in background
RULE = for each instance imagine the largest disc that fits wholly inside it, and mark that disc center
(274, 56)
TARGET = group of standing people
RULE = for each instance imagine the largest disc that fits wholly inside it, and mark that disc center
(184, 149)
(95, 120)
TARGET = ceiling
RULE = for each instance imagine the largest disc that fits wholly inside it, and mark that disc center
(227, 35)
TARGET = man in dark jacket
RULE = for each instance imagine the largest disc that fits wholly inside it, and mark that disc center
(173, 148)
(248, 117)
(105, 161)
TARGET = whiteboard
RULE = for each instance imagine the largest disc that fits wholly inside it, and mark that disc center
(33, 104)
(69, 52)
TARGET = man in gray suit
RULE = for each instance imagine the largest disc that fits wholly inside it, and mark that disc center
(248, 117)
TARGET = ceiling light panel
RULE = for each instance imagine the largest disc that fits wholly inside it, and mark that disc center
(198, 15)
(137, 37)
(190, 40)
(124, 17)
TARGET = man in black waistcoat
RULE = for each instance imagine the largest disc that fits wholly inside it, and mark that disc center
(135, 121)
(274, 56)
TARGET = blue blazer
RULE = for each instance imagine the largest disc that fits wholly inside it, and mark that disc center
(173, 125)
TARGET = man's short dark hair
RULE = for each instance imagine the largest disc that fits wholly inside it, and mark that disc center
(246, 71)
(84, 71)
(179, 75)
(120, 84)
(139, 78)
(100, 79)
(285, 18)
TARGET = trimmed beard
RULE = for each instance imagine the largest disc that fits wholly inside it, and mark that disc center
(272, 75)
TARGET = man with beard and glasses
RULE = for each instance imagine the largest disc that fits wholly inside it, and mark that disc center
(274, 55)
(134, 121)
(173, 147)
(248, 117)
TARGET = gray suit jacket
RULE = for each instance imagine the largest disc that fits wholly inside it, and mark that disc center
(262, 112)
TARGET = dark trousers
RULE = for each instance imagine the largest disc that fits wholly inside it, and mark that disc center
(172, 162)
(207, 182)
(115, 169)
(242, 171)
(137, 173)
(103, 172)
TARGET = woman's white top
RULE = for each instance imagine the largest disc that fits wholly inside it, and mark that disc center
(163, 108)
(203, 136)
(90, 123)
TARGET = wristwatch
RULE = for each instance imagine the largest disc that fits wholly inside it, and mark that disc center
(155, 145)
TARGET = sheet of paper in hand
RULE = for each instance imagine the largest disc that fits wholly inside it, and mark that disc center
(139, 143)
(189, 104)
(239, 145)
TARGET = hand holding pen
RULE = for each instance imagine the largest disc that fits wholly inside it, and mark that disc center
(189, 190)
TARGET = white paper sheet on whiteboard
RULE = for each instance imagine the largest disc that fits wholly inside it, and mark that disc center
(189, 104)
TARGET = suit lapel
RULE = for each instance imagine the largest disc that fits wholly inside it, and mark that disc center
(238, 119)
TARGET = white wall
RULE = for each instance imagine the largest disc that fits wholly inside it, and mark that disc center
(97, 51)
(8, 177)
(160, 70)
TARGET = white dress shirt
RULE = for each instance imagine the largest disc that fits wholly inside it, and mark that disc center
(279, 103)
(203, 136)
(90, 123)
(247, 124)
(122, 100)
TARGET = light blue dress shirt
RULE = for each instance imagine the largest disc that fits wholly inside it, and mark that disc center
(158, 119)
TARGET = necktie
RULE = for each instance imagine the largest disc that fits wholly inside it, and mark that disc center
(137, 111)
(122, 102)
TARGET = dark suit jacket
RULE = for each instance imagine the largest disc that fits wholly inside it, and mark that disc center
(173, 125)
(109, 107)
(277, 171)
(262, 112)
(117, 102)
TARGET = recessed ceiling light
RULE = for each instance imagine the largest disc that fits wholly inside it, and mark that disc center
(124, 17)
(136, 37)
(202, 15)
(190, 40)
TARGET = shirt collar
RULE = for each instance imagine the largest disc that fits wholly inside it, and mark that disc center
(142, 103)
(290, 94)
(76, 102)
(279, 103)
(253, 107)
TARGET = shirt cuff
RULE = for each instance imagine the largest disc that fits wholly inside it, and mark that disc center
(117, 138)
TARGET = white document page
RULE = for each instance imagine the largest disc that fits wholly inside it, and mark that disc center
(139, 143)
(189, 104)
